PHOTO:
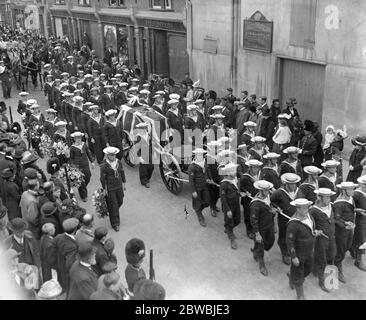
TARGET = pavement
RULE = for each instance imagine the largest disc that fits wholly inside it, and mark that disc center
(193, 262)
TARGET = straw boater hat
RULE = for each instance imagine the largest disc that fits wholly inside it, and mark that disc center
(290, 178)
(191, 107)
(118, 75)
(213, 144)
(199, 151)
(133, 89)
(173, 101)
(217, 116)
(330, 164)
(64, 74)
(324, 192)
(174, 96)
(68, 94)
(362, 179)
(31, 102)
(253, 163)
(111, 150)
(123, 84)
(312, 170)
(271, 155)
(301, 202)
(77, 134)
(49, 110)
(242, 146)
(229, 169)
(291, 149)
(110, 112)
(250, 124)
(263, 185)
(226, 152)
(217, 107)
(258, 139)
(198, 101)
(94, 106)
(60, 123)
(23, 94)
(347, 185)
(284, 116)
(78, 99)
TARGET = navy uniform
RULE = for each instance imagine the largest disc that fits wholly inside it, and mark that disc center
(270, 174)
(325, 248)
(300, 243)
(95, 132)
(214, 189)
(344, 214)
(359, 236)
(144, 152)
(290, 165)
(113, 135)
(198, 181)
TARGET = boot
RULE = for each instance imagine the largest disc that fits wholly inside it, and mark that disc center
(232, 238)
(213, 213)
(250, 234)
(353, 253)
(286, 260)
(300, 292)
(292, 287)
(262, 267)
(341, 276)
(201, 218)
(254, 256)
(358, 262)
(321, 281)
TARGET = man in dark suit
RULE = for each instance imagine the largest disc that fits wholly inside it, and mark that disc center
(101, 255)
(308, 144)
(66, 250)
(83, 279)
(108, 55)
(109, 291)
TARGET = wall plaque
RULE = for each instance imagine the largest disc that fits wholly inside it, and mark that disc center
(258, 33)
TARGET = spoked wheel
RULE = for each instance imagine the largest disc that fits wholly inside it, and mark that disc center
(171, 173)
(128, 156)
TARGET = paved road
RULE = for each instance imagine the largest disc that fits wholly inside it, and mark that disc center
(192, 262)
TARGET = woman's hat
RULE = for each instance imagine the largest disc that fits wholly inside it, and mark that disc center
(111, 150)
(312, 170)
(18, 225)
(347, 185)
(7, 173)
(48, 209)
(34, 106)
(77, 134)
(330, 164)
(271, 155)
(324, 192)
(301, 202)
(110, 112)
(263, 185)
(290, 178)
(359, 141)
(50, 290)
(29, 157)
(291, 149)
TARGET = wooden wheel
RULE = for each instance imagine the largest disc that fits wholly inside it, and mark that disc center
(128, 156)
(171, 173)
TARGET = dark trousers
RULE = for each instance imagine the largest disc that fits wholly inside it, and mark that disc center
(344, 242)
(145, 172)
(245, 202)
(214, 195)
(324, 252)
(6, 86)
(282, 225)
(202, 201)
(46, 272)
(114, 202)
(83, 191)
(98, 147)
(231, 223)
(299, 273)
(268, 237)
(359, 238)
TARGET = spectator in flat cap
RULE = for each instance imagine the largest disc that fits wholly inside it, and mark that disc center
(83, 279)
(101, 256)
(148, 290)
(110, 290)
(48, 251)
(49, 214)
(86, 231)
(135, 253)
(66, 250)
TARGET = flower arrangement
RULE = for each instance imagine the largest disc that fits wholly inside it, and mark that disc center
(100, 203)
(76, 177)
(45, 145)
(61, 148)
(32, 134)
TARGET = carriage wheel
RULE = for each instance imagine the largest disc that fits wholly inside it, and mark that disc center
(128, 156)
(170, 171)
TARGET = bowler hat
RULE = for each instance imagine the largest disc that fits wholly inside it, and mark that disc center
(146, 289)
(100, 232)
(29, 157)
(308, 125)
(7, 173)
(48, 209)
(135, 251)
(30, 173)
(18, 225)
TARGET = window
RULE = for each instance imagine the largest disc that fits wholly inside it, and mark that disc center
(60, 1)
(116, 3)
(84, 2)
(161, 4)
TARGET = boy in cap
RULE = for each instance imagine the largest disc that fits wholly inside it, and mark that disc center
(262, 221)
(344, 208)
(248, 191)
(281, 198)
(300, 243)
(135, 254)
(230, 199)
(269, 171)
(198, 178)
(359, 236)
(66, 250)
(325, 245)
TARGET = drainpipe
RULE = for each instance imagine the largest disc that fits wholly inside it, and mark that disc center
(232, 43)
(189, 18)
(237, 7)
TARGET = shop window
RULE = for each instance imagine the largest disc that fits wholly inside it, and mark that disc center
(116, 3)
(84, 2)
(161, 4)
(60, 1)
